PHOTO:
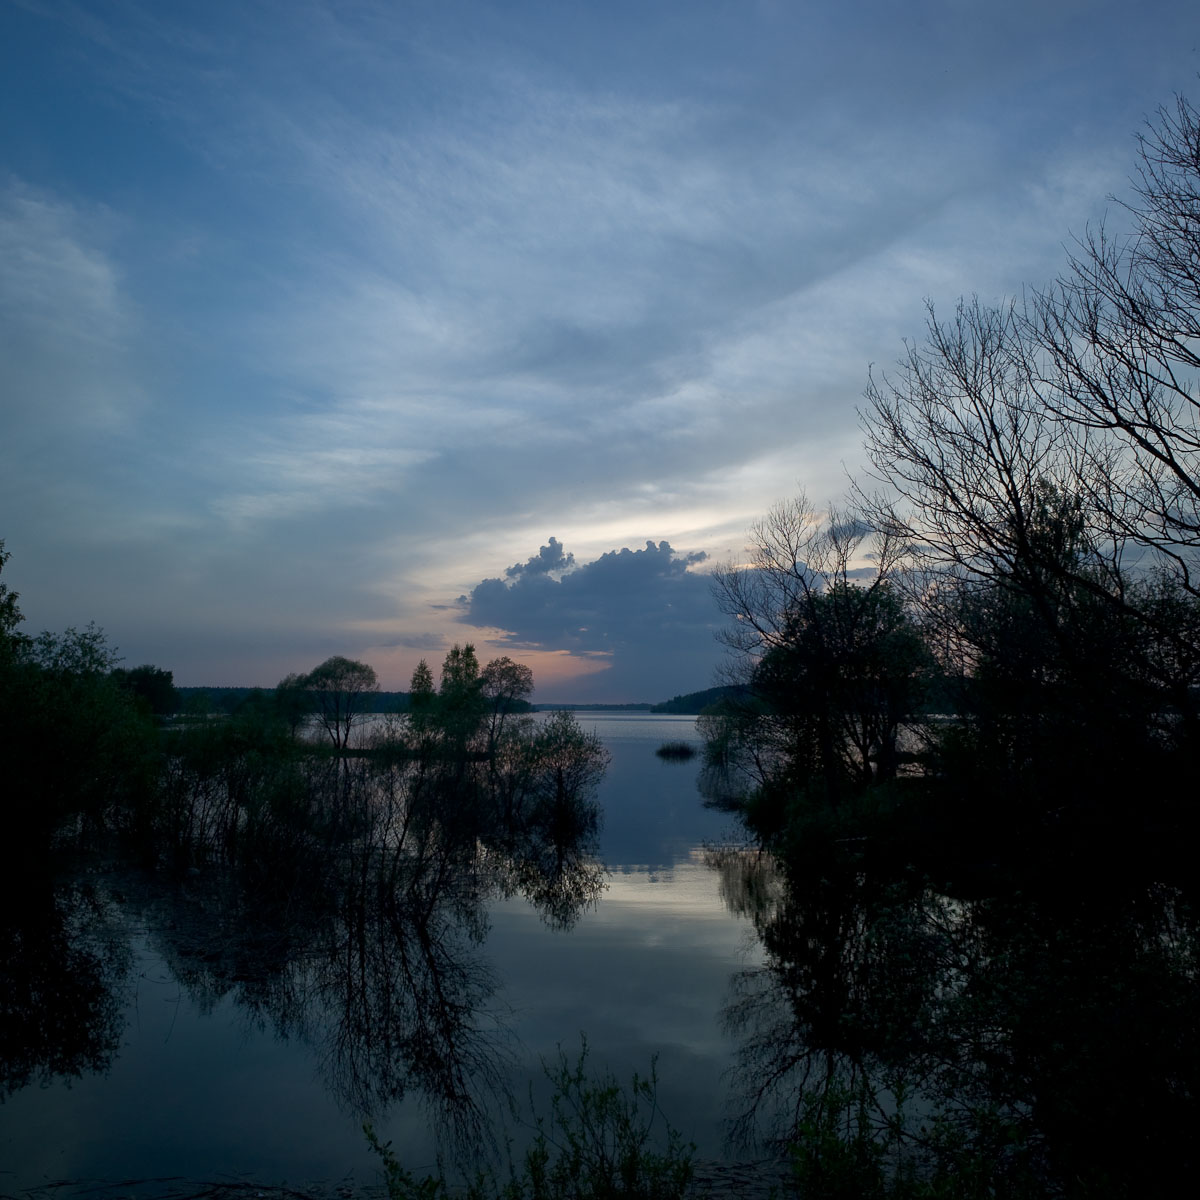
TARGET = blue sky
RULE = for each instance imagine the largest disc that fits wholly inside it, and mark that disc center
(317, 318)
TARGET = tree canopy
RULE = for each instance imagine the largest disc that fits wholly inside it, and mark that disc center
(340, 689)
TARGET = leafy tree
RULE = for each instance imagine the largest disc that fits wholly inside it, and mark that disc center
(293, 701)
(422, 698)
(846, 676)
(341, 689)
(152, 686)
(568, 763)
(505, 687)
(1063, 700)
(77, 744)
(833, 664)
(74, 652)
(460, 697)
(10, 615)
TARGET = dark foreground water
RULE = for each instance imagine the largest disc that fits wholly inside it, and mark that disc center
(207, 1070)
(1000, 1025)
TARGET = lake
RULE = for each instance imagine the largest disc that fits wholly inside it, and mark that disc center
(410, 951)
(215, 1069)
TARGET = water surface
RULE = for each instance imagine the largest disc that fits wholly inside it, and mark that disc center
(212, 1078)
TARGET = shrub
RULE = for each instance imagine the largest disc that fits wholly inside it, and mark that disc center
(598, 1143)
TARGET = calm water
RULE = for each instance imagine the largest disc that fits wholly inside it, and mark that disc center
(208, 1083)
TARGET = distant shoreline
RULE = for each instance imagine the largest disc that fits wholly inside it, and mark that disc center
(226, 699)
(643, 707)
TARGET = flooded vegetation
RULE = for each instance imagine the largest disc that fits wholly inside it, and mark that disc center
(676, 751)
(336, 895)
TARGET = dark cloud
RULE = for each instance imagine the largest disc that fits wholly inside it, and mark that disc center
(646, 611)
(548, 558)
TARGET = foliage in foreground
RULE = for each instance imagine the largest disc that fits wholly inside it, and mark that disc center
(600, 1141)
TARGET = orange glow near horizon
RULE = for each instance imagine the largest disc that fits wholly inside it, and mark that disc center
(553, 670)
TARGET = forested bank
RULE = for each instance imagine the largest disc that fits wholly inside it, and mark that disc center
(966, 742)
(1003, 617)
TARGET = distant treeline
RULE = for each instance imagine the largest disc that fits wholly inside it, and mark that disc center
(646, 707)
(228, 699)
(694, 703)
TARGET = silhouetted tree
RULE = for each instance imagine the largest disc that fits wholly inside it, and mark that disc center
(568, 763)
(505, 687)
(293, 701)
(1074, 666)
(847, 676)
(460, 696)
(10, 616)
(73, 742)
(833, 662)
(1120, 338)
(342, 690)
(421, 694)
(151, 686)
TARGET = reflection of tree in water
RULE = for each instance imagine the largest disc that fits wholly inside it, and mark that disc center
(362, 938)
(338, 897)
(63, 960)
(1044, 1043)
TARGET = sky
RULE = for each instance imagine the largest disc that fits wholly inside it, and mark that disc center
(364, 328)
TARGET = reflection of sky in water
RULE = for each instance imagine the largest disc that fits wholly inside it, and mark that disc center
(645, 972)
(653, 817)
(651, 728)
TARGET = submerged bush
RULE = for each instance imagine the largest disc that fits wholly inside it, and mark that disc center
(679, 751)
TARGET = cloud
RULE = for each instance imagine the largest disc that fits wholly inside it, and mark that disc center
(414, 641)
(65, 322)
(647, 612)
(547, 559)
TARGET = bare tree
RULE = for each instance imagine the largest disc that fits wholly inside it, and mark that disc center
(967, 449)
(1120, 334)
(1007, 502)
(796, 554)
